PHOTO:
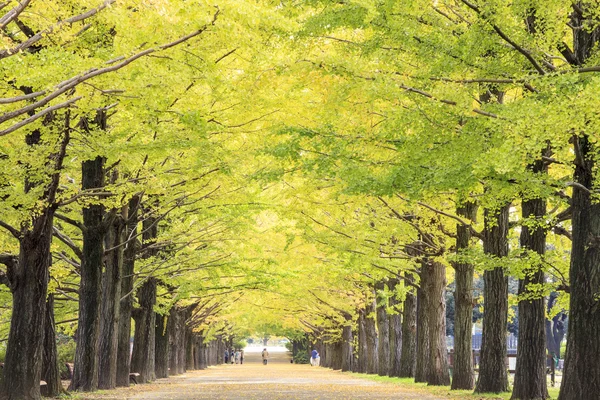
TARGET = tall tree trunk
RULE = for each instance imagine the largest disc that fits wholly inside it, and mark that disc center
(181, 349)
(493, 377)
(383, 328)
(111, 302)
(161, 342)
(423, 354)
(209, 354)
(530, 375)
(143, 357)
(175, 340)
(582, 369)
(355, 349)
(329, 353)
(395, 331)
(202, 348)
(85, 374)
(220, 349)
(347, 345)
(50, 370)
(409, 333)
(362, 342)
(437, 373)
(129, 254)
(371, 331)
(325, 354)
(189, 348)
(28, 279)
(198, 351)
(336, 360)
(23, 362)
(142, 360)
(462, 375)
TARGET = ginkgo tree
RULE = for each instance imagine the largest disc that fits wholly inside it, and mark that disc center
(183, 163)
(75, 58)
(458, 115)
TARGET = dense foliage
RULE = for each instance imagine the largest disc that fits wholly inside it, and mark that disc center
(296, 168)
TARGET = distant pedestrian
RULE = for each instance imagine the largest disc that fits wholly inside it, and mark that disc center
(226, 356)
(265, 356)
(237, 356)
(315, 358)
(242, 357)
(232, 357)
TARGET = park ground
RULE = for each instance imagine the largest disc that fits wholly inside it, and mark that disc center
(279, 380)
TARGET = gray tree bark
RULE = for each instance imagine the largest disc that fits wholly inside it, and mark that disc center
(161, 342)
(462, 374)
(493, 377)
(50, 370)
(395, 332)
(383, 332)
(362, 342)
(110, 309)
(423, 353)
(438, 373)
(85, 373)
(409, 334)
(142, 359)
(371, 333)
(129, 254)
(530, 375)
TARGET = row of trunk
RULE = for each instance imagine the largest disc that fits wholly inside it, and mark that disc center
(390, 342)
(107, 294)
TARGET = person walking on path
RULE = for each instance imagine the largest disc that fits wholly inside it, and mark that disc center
(242, 357)
(237, 356)
(226, 356)
(315, 359)
(232, 356)
(265, 356)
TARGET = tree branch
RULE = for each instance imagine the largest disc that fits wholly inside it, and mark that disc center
(323, 225)
(454, 217)
(402, 217)
(13, 231)
(45, 32)
(69, 84)
(70, 221)
(14, 13)
(423, 92)
(16, 99)
(579, 186)
(503, 35)
(88, 192)
(559, 230)
(67, 240)
(34, 117)
(58, 164)
(343, 313)
(69, 261)
(4, 4)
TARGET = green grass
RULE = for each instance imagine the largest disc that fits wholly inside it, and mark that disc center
(443, 391)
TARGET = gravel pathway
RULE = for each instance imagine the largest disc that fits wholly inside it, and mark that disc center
(278, 380)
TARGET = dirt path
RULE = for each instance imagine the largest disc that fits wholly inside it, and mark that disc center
(252, 380)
